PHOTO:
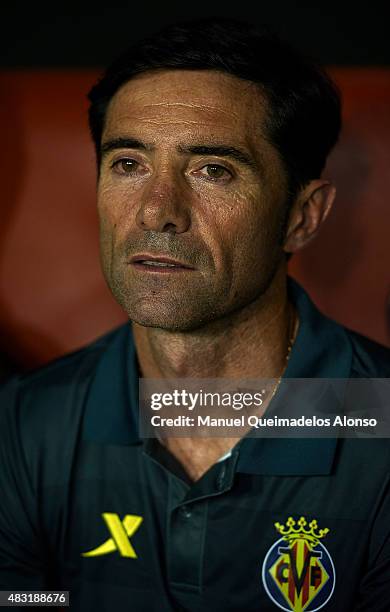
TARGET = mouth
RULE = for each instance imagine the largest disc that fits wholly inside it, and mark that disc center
(149, 263)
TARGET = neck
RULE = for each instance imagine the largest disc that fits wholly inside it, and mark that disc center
(249, 343)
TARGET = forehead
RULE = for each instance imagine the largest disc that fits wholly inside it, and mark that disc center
(173, 102)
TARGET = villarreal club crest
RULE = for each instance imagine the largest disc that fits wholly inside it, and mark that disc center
(298, 572)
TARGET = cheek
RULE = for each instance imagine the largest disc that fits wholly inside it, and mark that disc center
(229, 224)
(109, 211)
(114, 212)
(255, 237)
(245, 221)
(105, 207)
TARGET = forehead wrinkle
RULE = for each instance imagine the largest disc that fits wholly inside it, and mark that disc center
(129, 123)
(195, 106)
(155, 112)
(225, 104)
(175, 121)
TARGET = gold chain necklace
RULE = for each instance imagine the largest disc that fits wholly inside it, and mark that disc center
(294, 324)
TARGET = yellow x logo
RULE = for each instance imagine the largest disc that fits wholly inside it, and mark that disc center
(121, 532)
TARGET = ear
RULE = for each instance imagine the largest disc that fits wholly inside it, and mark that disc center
(308, 213)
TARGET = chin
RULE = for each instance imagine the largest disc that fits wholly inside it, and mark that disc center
(171, 320)
(167, 323)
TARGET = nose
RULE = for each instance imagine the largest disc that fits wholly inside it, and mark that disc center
(164, 206)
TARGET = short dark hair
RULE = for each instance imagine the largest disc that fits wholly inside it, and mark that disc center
(304, 110)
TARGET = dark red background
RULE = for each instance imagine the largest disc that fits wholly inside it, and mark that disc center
(52, 293)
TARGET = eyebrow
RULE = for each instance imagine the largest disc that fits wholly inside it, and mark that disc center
(219, 150)
(124, 143)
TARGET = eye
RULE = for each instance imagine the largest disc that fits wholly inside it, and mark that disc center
(215, 172)
(125, 166)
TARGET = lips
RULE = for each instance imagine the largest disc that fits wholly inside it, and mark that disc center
(158, 263)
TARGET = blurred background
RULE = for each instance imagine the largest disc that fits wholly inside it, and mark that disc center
(53, 298)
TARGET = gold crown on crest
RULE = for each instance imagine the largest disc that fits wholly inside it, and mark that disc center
(291, 534)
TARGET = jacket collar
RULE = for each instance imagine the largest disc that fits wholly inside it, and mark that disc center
(114, 389)
(321, 350)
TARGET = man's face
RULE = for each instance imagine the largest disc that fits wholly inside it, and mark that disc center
(188, 178)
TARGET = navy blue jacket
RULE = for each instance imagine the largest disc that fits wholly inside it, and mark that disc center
(72, 466)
